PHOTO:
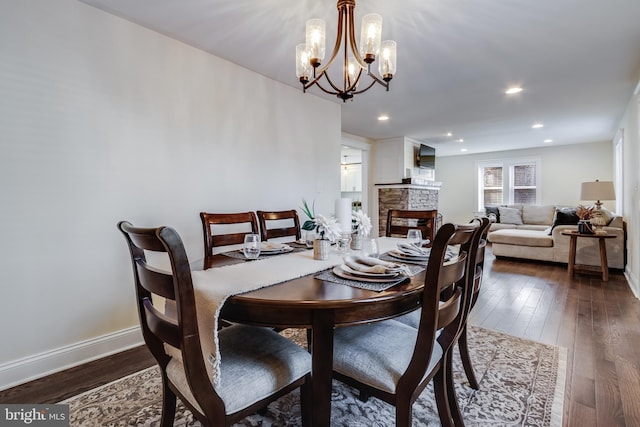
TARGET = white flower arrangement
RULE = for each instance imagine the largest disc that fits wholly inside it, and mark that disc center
(361, 222)
(328, 228)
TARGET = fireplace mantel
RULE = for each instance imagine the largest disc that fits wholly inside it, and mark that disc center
(413, 183)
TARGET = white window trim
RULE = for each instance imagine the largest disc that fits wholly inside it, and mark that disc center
(507, 167)
(618, 158)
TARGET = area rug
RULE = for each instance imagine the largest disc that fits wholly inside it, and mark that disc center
(521, 384)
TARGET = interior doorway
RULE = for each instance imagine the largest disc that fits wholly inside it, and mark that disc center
(354, 172)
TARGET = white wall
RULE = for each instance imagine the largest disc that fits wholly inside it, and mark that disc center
(630, 124)
(102, 120)
(563, 169)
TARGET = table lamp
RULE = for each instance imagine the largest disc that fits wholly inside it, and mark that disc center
(597, 190)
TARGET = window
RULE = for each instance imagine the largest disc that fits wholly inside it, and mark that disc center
(505, 182)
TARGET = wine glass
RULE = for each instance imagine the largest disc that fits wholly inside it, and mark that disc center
(415, 236)
(251, 246)
(370, 248)
(310, 236)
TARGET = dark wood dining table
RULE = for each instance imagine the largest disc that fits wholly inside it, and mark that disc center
(319, 306)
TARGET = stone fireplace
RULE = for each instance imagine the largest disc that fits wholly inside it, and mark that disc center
(408, 195)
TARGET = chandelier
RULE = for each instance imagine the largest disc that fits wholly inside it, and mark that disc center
(309, 55)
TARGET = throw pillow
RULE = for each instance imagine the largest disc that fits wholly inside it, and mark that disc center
(492, 210)
(564, 216)
(510, 216)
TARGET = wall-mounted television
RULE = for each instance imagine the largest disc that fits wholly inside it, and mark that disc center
(426, 157)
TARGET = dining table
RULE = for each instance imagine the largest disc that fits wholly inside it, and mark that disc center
(320, 306)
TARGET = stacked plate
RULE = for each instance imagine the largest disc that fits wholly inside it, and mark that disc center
(410, 252)
(271, 248)
(368, 269)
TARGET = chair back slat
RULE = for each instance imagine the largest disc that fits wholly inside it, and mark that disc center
(162, 326)
(449, 310)
(146, 240)
(155, 281)
(229, 239)
(453, 271)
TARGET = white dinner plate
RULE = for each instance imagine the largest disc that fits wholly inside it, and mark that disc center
(338, 271)
(399, 255)
(350, 270)
(270, 248)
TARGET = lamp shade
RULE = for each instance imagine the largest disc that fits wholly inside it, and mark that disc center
(597, 190)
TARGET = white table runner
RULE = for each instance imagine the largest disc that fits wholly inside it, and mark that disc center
(212, 287)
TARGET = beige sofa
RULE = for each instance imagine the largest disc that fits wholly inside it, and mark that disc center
(538, 236)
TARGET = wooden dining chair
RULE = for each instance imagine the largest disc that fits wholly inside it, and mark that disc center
(290, 218)
(400, 221)
(395, 362)
(226, 229)
(463, 344)
(257, 365)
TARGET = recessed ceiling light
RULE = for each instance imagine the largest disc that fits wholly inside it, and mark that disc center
(463, 149)
(383, 118)
(461, 140)
(547, 141)
(449, 134)
(513, 90)
(537, 125)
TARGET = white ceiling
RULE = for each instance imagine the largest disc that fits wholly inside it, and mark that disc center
(577, 60)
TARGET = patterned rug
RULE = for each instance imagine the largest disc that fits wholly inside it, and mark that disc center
(521, 384)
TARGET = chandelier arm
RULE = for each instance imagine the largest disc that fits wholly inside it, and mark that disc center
(336, 88)
(378, 80)
(345, 63)
(352, 42)
(336, 46)
(366, 88)
(316, 82)
(328, 91)
(353, 85)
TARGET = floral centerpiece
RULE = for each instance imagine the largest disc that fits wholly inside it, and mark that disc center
(326, 228)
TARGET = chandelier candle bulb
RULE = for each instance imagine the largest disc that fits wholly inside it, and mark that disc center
(316, 40)
(387, 66)
(370, 35)
(303, 67)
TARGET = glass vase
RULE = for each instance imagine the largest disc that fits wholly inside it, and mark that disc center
(356, 240)
(585, 227)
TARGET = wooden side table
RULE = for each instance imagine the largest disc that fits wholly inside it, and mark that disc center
(604, 266)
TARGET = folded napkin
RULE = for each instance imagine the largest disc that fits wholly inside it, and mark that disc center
(367, 264)
(413, 249)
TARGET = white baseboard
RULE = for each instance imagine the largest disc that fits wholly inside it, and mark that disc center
(43, 364)
(633, 282)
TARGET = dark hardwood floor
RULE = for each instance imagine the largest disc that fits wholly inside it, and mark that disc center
(598, 322)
